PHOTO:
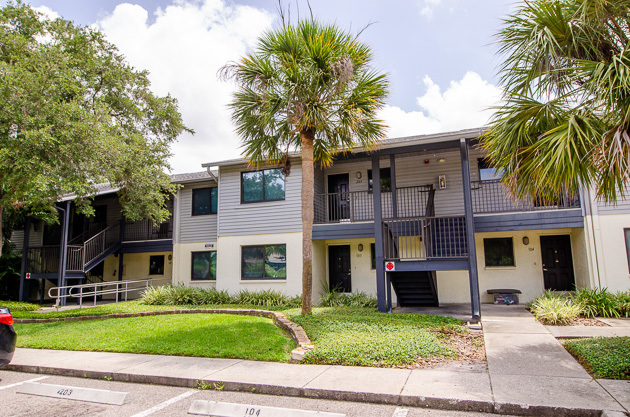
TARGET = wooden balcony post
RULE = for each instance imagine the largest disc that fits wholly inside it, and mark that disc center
(378, 235)
(392, 170)
(470, 231)
(63, 249)
(23, 296)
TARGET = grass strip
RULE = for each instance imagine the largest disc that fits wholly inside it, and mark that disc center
(603, 357)
(204, 335)
(131, 307)
(364, 337)
(18, 306)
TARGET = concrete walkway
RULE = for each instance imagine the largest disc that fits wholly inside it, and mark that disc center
(616, 327)
(528, 373)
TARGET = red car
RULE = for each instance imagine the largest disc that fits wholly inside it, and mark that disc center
(7, 336)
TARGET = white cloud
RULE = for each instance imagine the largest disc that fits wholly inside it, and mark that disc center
(427, 6)
(183, 50)
(464, 104)
(47, 12)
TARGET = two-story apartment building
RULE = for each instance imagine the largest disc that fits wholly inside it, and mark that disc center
(421, 220)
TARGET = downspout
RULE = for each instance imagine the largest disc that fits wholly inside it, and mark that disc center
(590, 202)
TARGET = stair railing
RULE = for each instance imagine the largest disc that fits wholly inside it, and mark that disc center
(100, 243)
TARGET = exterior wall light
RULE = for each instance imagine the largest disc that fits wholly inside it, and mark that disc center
(525, 240)
(360, 247)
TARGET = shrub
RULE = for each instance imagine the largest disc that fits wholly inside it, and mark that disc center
(604, 357)
(622, 303)
(333, 298)
(596, 302)
(19, 306)
(182, 295)
(555, 310)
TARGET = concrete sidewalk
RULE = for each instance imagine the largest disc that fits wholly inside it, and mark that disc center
(615, 327)
(528, 373)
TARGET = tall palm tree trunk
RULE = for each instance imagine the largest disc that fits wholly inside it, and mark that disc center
(308, 178)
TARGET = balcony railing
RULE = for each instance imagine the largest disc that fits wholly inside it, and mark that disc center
(357, 206)
(147, 230)
(425, 238)
(492, 197)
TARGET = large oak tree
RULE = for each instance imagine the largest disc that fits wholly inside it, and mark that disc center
(74, 114)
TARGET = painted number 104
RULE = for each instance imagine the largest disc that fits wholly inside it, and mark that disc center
(252, 412)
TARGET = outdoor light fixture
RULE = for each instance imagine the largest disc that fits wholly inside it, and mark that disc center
(525, 240)
(359, 175)
(360, 247)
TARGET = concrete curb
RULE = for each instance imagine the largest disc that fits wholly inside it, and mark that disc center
(297, 332)
(450, 404)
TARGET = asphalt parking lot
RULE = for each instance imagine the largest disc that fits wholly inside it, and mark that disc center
(157, 400)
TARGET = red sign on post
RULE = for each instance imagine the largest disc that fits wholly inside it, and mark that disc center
(390, 266)
(28, 275)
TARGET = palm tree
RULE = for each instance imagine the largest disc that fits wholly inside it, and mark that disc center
(306, 87)
(566, 76)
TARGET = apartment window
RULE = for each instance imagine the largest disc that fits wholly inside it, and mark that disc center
(264, 262)
(204, 266)
(156, 265)
(499, 251)
(626, 233)
(265, 185)
(487, 172)
(386, 180)
(204, 201)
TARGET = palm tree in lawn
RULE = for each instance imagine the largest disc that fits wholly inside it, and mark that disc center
(306, 87)
(567, 92)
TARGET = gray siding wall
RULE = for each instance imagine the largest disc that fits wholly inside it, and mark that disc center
(411, 170)
(195, 228)
(621, 207)
(258, 218)
(36, 237)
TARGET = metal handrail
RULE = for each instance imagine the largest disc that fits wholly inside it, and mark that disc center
(111, 287)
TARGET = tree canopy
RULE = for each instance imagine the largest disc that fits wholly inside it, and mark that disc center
(566, 77)
(306, 87)
(74, 114)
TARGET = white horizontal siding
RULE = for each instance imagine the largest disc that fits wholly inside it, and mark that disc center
(622, 205)
(195, 228)
(258, 218)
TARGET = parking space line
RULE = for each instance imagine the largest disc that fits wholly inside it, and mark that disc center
(165, 404)
(23, 382)
(401, 412)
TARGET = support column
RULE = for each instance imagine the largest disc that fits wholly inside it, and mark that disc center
(63, 249)
(120, 253)
(470, 232)
(392, 169)
(378, 235)
(24, 295)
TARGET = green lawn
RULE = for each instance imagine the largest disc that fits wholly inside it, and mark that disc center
(208, 335)
(363, 337)
(603, 357)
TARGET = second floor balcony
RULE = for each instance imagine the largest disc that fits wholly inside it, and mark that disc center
(488, 197)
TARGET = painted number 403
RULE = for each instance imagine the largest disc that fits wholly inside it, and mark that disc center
(252, 412)
(64, 392)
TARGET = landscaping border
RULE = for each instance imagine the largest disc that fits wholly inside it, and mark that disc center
(279, 319)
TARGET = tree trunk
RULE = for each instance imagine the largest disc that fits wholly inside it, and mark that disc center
(308, 192)
(1, 234)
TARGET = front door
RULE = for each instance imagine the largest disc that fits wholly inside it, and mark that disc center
(557, 263)
(339, 268)
(338, 197)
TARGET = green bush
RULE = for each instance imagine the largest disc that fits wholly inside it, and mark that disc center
(19, 306)
(603, 357)
(554, 310)
(596, 302)
(332, 297)
(622, 303)
(182, 295)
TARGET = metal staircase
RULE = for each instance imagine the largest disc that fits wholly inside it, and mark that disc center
(81, 256)
(415, 289)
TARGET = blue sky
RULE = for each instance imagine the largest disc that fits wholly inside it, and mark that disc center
(439, 55)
